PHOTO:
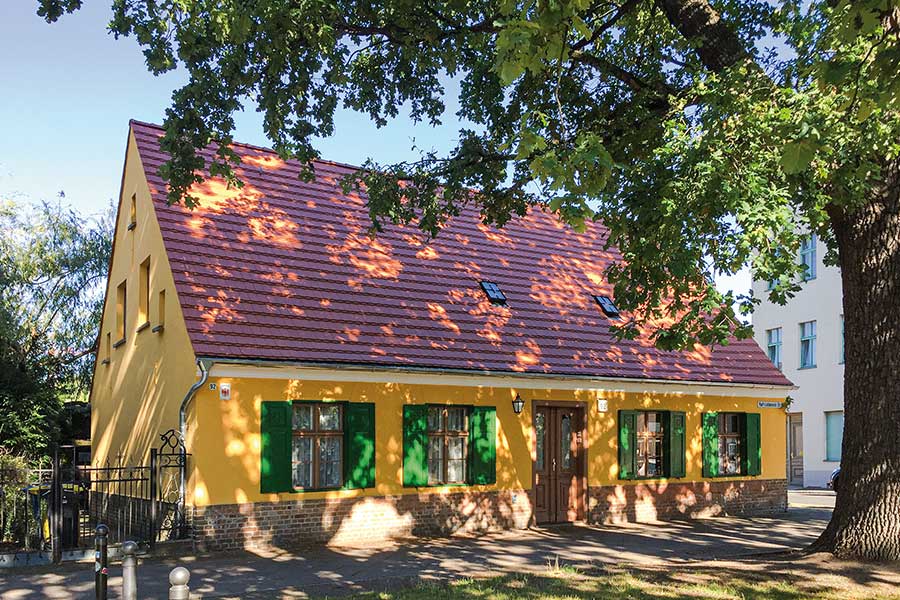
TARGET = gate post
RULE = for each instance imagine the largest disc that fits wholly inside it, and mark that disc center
(54, 510)
(154, 497)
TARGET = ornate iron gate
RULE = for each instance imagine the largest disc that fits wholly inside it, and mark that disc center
(169, 467)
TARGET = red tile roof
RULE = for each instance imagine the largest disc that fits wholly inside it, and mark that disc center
(284, 270)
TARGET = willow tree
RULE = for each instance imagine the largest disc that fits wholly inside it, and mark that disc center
(706, 134)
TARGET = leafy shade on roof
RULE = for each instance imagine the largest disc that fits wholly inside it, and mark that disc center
(285, 270)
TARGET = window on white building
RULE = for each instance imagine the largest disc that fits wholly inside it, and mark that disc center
(834, 434)
(842, 339)
(808, 256)
(808, 345)
(773, 345)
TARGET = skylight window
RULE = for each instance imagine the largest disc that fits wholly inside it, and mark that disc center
(493, 292)
(607, 306)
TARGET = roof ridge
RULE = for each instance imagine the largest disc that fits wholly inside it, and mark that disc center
(326, 161)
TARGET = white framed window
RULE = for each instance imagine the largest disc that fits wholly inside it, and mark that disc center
(834, 435)
(842, 339)
(773, 345)
(808, 256)
(808, 345)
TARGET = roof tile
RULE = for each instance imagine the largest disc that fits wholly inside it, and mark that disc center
(285, 270)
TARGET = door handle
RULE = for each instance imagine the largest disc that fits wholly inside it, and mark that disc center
(553, 462)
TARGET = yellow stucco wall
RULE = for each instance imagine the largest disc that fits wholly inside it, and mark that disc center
(226, 441)
(136, 396)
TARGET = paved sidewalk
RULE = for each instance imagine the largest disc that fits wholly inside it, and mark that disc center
(322, 571)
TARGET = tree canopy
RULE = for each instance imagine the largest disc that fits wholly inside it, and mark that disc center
(705, 135)
(53, 266)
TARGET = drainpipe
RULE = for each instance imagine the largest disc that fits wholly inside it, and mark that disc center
(204, 366)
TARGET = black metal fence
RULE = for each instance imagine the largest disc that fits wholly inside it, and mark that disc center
(59, 509)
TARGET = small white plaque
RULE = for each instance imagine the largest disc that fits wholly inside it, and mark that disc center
(225, 391)
(764, 404)
(602, 405)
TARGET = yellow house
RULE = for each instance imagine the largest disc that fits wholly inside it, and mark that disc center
(336, 387)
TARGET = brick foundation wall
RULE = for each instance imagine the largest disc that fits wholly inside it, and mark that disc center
(686, 500)
(368, 520)
(350, 521)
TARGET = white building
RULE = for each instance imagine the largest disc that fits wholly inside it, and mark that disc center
(806, 338)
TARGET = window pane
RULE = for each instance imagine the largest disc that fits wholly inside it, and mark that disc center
(435, 459)
(456, 460)
(330, 461)
(456, 471)
(642, 422)
(456, 419)
(329, 417)
(565, 440)
(303, 417)
(302, 459)
(654, 457)
(435, 416)
(456, 448)
(540, 432)
(834, 433)
(729, 455)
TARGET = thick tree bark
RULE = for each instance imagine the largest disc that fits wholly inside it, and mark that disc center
(718, 46)
(866, 519)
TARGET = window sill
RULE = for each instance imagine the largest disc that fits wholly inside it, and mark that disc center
(143, 326)
(158, 329)
(806, 368)
(836, 461)
(132, 225)
(437, 486)
(119, 343)
(320, 489)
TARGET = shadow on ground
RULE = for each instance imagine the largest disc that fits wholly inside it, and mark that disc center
(321, 571)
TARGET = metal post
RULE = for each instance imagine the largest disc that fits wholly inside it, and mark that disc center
(54, 510)
(178, 584)
(129, 571)
(154, 507)
(101, 566)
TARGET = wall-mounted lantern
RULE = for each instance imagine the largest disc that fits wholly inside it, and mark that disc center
(518, 404)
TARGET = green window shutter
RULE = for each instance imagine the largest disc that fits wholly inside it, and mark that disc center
(483, 445)
(275, 448)
(627, 443)
(415, 445)
(674, 433)
(750, 445)
(359, 445)
(710, 444)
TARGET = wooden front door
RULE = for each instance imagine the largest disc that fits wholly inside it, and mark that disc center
(559, 464)
(795, 449)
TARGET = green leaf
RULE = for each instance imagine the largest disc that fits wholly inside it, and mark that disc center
(796, 156)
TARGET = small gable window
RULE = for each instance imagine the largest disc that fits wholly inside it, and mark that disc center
(493, 292)
(607, 306)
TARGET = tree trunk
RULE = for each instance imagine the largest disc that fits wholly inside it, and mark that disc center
(866, 519)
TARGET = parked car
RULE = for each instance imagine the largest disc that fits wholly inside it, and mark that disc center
(832, 481)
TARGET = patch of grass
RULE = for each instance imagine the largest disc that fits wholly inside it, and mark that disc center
(688, 583)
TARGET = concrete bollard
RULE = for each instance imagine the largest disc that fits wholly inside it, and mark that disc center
(178, 584)
(129, 571)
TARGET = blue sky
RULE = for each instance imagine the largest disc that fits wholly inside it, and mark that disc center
(69, 89)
